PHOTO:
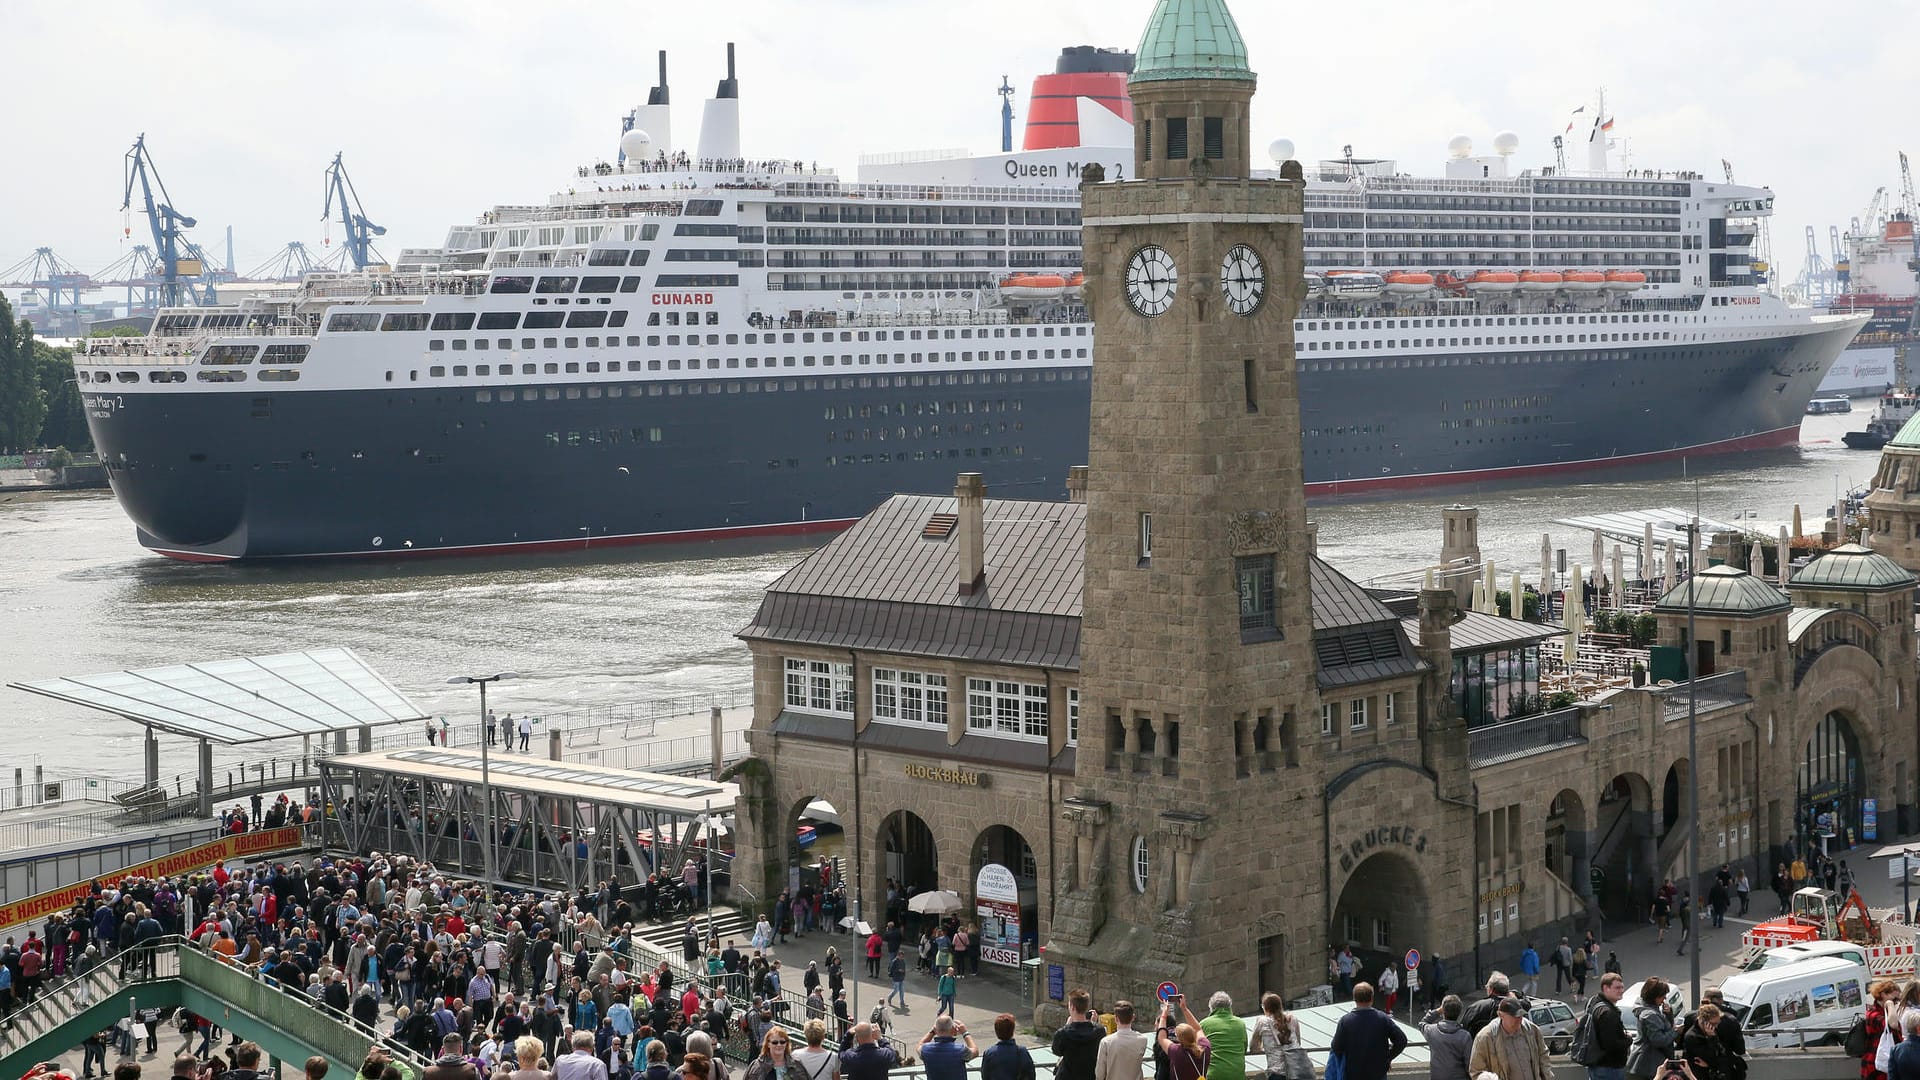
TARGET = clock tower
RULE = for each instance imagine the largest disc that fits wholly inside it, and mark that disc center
(1194, 835)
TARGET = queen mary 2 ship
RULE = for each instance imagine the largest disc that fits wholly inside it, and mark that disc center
(689, 342)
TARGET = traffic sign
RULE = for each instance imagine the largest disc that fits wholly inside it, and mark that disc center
(1168, 991)
(1413, 959)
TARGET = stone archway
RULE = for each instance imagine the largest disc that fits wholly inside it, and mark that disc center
(1568, 839)
(1624, 847)
(814, 843)
(1005, 900)
(1382, 912)
(908, 855)
(1829, 781)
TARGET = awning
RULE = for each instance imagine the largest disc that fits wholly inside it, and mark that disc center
(664, 792)
(244, 699)
(1629, 526)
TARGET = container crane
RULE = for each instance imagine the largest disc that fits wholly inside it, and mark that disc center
(44, 271)
(290, 263)
(178, 257)
(1906, 187)
(360, 231)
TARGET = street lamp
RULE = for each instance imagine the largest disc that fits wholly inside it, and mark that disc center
(1692, 930)
(486, 777)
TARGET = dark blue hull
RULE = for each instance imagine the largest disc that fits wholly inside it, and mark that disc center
(451, 469)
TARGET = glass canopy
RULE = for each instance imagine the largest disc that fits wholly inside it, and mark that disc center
(244, 699)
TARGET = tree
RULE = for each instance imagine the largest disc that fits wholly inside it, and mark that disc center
(66, 422)
(22, 408)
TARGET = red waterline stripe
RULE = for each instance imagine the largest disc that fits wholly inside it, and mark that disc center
(1766, 440)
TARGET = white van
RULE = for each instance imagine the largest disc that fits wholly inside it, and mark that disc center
(1782, 955)
(1803, 1003)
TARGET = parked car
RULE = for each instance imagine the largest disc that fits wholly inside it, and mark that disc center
(1556, 1020)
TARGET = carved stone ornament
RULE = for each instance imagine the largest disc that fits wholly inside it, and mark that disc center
(1254, 532)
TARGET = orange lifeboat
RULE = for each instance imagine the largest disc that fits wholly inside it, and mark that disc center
(1493, 281)
(1583, 281)
(1033, 287)
(1075, 282)
(1540, 281)
(1625, 280)
(1408, 283)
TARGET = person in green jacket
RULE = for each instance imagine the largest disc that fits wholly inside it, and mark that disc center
(1228, 1034)
(948, 985)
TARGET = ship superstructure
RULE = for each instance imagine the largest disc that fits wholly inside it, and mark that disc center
(698, 344)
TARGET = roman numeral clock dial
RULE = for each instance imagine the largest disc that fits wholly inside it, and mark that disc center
(1151, 280)
(1243, 278)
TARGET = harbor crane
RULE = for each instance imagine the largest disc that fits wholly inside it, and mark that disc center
(45, 272)
(180, 259)
(290, 263)
(360, 231)
(1906, 187)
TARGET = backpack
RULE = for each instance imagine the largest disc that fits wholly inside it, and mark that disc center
(1584, 1050)
(1856, 1041)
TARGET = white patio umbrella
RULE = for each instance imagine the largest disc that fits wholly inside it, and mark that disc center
(1671, 574)
(1599, 556)
(1479, 596)
(936, 902)
(1619, 580)
(1786, 553)
(1646, 551)
(1491, 592)
(1546, 572)
(1757, 560)
(1796, 520)
(1516, 602)
(1576, 597)
(1427, 581)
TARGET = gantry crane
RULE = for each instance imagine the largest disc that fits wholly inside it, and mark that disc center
(1906, 187)
(45, 272)
(180, 259)
(360, 231)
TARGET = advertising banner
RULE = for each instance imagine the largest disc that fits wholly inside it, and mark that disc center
(237, 846)
(996, 902)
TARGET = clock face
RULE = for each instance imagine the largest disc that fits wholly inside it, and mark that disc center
(1243, 277)
(1151, 279)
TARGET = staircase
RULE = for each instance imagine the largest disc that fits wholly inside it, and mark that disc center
(173, 972)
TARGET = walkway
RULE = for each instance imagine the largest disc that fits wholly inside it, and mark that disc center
(290, 1028)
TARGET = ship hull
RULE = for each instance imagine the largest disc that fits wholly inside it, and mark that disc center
(422, 471)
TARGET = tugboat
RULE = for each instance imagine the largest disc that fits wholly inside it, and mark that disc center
(1897, 406)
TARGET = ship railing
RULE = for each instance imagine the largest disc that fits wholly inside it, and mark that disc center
(690, 165)
(1420, 183)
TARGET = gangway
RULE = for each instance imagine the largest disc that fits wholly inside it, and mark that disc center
(173, 972)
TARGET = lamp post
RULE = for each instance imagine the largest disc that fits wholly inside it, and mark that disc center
(486, 777)
(1693, 758)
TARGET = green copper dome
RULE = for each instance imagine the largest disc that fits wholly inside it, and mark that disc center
(1851, 566)
(1190, 39)
(1724, 590)
(1909, 437)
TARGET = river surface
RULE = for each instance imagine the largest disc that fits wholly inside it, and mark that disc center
(78, 596)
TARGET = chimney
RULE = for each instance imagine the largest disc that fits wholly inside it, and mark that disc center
(1076, 483)
(970, 491)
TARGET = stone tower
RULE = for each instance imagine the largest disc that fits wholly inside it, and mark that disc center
(1197, 635)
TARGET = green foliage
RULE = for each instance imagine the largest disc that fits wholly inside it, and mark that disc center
(1562, 699)
(1646, 630)
(23, 408)
(66, 419)
(114, 331)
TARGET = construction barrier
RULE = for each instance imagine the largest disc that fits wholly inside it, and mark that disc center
(235, 846)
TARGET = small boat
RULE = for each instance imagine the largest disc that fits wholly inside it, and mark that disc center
(1408, 283)
(1493, 281)
(1316, 284)
(1821, 406)
(1583, 281)
(1540, 281)
(1897, 406)
(1355, 284)
(1625, 280)
(1033, 287)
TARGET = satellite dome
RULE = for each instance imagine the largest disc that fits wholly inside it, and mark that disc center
(1460, 146)
(1280, 150)
(1506, 143)
(637, 145)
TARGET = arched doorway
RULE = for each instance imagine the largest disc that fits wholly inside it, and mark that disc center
(1623, 847)
(1382, 913)
(817, 851)
(1003, 882)
(1673, 796)
(1827, 786)
(908, 857)
(1568, 840)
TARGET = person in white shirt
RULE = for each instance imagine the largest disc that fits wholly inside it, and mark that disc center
(1121, 1055)
(581, 1064)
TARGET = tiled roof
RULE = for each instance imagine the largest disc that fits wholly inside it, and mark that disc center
(1851, 566)
(955, 633)
(1476, 631)
(1724, 590)
(1338, 601)
(1033, 553)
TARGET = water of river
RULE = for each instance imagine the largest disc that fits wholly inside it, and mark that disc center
(79, 596)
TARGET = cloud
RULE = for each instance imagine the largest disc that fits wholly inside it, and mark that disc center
(446, 108)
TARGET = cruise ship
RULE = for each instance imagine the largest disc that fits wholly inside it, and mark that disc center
(687, 342)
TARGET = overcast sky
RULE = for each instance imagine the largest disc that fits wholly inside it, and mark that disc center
(446, 108)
